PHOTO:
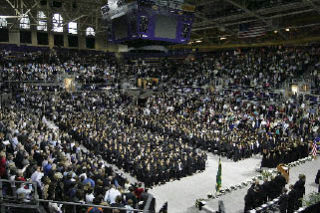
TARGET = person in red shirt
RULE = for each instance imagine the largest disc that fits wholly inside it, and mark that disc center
(3, 161)
(19, 176)
(138, 191)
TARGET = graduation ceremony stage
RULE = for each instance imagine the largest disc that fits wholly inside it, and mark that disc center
(181, 195)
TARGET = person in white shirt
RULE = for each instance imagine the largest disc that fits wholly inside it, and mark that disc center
(89, 196)
(129, 206)
(37, 175)
(111, 195)
(55, 208)
(14, 142)
(24, 191)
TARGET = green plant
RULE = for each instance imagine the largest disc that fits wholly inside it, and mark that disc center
(313, 198)
(266, 174)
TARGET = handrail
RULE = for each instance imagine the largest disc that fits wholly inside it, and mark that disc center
(90, 205)
(37, 200)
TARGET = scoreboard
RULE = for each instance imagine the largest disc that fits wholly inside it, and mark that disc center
(149, 21)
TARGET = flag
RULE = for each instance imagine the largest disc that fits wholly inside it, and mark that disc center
(251, 30)
(218, 177)
(314, 148)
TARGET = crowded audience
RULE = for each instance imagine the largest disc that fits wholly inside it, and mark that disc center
(33, 149)
(66, 141)
(97, 121)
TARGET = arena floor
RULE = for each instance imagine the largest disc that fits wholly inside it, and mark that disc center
(181, 194)
(234, 202)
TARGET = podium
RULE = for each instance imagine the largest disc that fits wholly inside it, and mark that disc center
(284, 170)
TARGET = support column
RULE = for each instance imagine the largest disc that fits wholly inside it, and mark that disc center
(65, 40)
(34, 39)
(51, 40)
(14, 36)
(82, 42)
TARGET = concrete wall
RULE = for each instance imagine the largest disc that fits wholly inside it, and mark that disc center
(14, 36)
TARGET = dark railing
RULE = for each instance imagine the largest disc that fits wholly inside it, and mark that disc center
(13, 201)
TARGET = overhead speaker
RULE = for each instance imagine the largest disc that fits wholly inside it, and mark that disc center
(43, 2)
(56, 4)
(74, 5)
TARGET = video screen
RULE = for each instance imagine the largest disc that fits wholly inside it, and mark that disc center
(166, 27)
(120, 27)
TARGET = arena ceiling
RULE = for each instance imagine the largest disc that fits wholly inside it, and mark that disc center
(216, 21)
(85, 12)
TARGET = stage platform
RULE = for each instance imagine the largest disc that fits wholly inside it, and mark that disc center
(182, 194)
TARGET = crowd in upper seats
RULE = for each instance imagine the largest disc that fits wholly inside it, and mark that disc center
(52, 66)
(253, 67)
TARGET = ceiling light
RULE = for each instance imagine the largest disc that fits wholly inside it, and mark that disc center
(287, 29)
(223, 38)
(198, 41)
(9, 17)
(276, 31)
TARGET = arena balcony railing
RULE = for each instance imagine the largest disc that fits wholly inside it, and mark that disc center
(18, 200)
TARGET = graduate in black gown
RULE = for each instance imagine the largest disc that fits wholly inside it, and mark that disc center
(300, 187)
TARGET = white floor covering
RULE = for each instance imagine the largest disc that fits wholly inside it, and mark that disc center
(181, 194)
(310, 169)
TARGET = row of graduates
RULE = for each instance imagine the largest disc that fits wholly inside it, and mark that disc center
(154, 172)
(237, 145)
(234, 151)
(288, 202)
(286, 153)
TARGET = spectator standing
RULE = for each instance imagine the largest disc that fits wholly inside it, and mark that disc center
(111, 195)
(3, 163)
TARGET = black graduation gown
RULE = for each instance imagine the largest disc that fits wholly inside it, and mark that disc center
(280, 182)
(292, 200)
(300, 187)
(264, 160)
(249, 200)
(283, 203)
(265, 191)
(317, 177)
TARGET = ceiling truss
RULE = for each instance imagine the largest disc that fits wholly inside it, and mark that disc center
(213, 18)
(313, 5)
(85, 12)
